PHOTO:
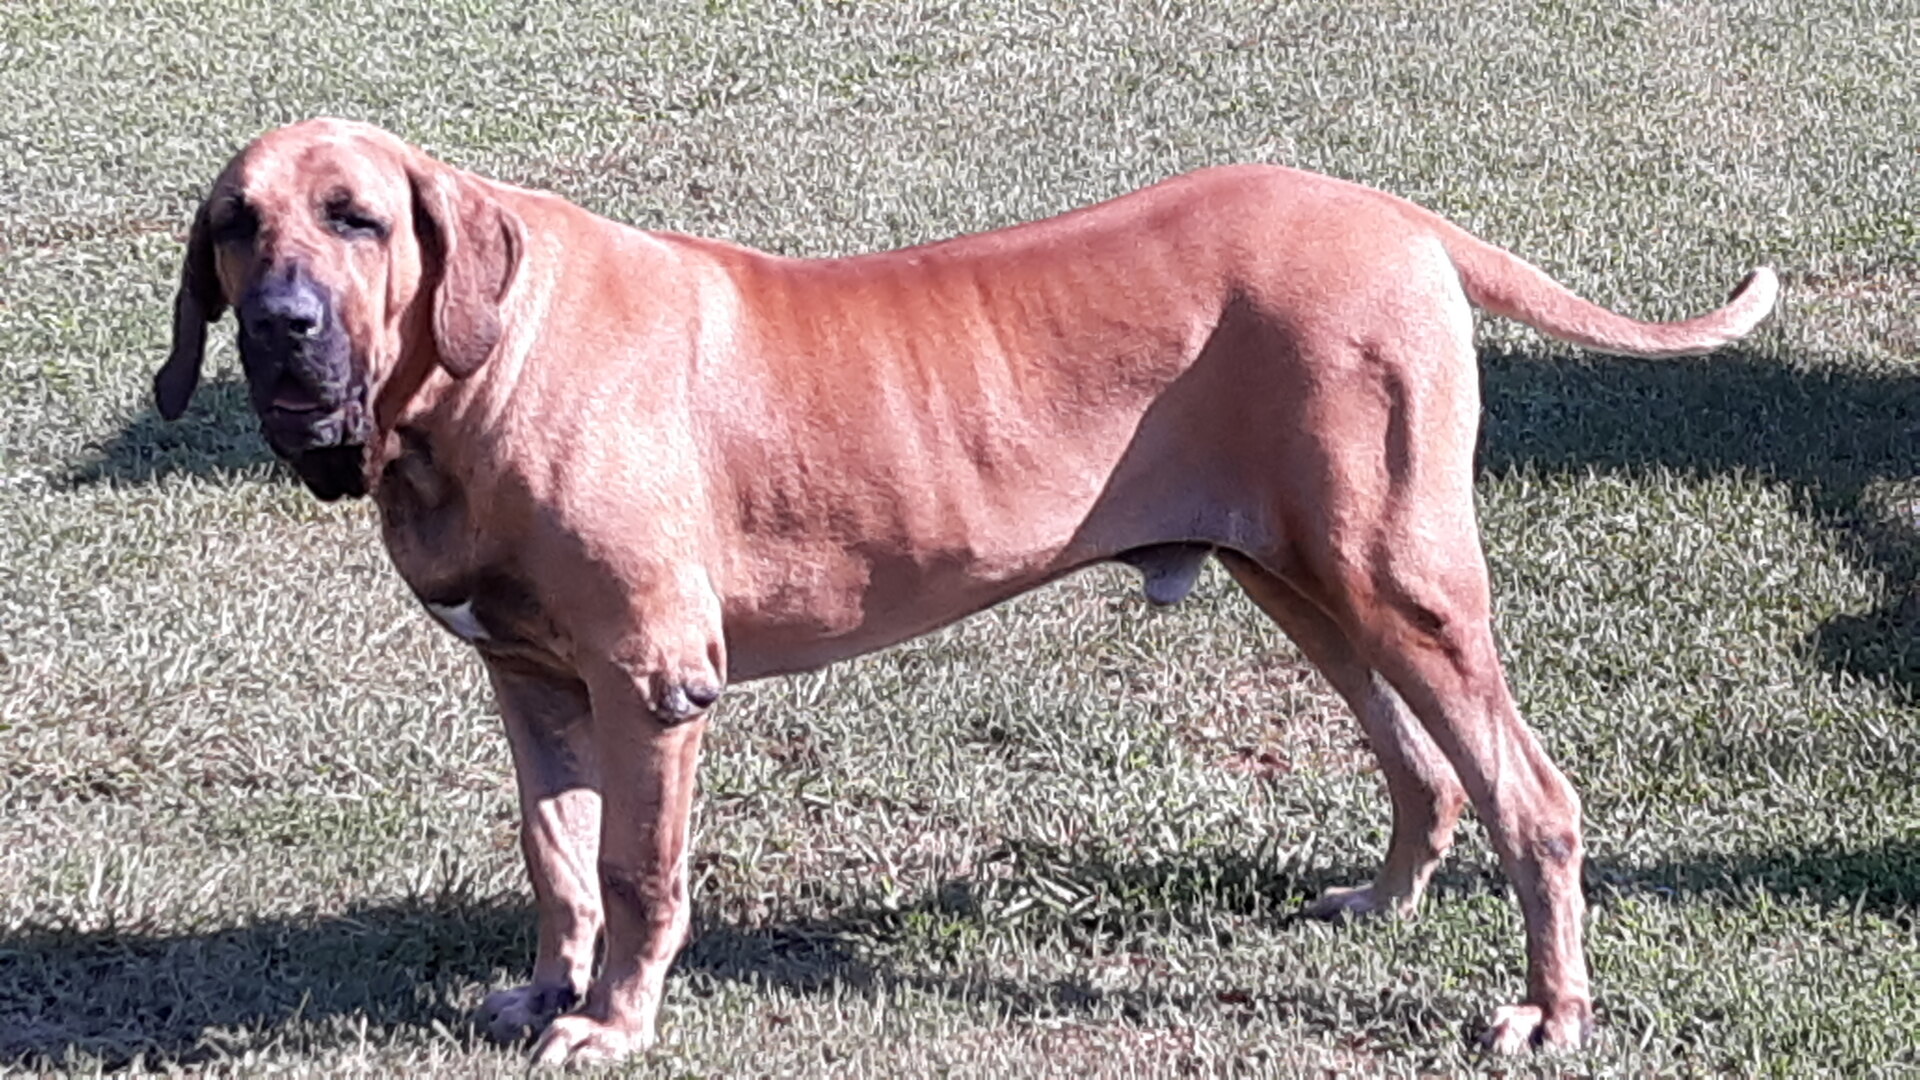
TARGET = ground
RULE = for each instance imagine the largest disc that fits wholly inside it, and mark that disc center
(255, 812)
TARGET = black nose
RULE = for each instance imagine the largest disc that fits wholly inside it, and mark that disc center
(288, 308)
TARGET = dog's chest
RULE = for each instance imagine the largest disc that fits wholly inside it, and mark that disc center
(467, 579)
(495, 611)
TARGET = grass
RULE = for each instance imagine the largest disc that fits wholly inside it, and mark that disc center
(255, 816)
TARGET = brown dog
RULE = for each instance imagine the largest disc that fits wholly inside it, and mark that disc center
(631, 467)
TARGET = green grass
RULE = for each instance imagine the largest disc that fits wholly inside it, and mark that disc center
(254, 812)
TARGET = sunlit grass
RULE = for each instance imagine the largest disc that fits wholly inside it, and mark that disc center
(254, 811)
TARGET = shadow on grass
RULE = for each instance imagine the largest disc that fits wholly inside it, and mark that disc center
(1828, 435)
(219, 436)
(1090, 904)
(326, 980)
(1882, 880)
(190, 998)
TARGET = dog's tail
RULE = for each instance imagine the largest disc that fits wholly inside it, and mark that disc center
(1505, 284)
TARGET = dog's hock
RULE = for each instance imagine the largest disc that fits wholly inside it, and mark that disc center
(1168, 572)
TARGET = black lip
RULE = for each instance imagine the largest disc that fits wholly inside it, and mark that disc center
(329, 424)
(292, 422)
(317, 413)
(298, 375)
(298, 406)
(308, 414)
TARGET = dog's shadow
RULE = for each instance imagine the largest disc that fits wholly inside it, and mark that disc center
(415, 969)
(219, 437)
(307, 983)
(1829, 435)
(162, 1000)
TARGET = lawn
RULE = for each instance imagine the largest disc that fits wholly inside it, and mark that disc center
(255, 812)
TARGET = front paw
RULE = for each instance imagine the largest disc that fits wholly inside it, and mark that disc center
(524, 1011)
(582, 1040)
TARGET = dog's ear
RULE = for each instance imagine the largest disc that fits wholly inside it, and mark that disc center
(199, 302)
(470, 246)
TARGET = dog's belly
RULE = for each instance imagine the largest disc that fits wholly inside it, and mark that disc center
(818, 604)
(832, 553)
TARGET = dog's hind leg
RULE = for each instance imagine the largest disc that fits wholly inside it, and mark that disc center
(1427, 798)
(1421, 618)
(1401, 571)
(1377, 503)
(553, 764)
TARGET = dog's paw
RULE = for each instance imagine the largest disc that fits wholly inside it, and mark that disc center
(1357, 902)
(509, 1016)
(1517, 1028)
(582, 1040)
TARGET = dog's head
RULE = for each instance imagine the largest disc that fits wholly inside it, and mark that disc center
(351, 260)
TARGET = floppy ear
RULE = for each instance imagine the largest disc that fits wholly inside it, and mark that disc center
(199, 302)
(471, 246)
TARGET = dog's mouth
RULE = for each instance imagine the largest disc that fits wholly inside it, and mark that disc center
(296, 419)
(307, 386)
(322, 435)
(291, 399)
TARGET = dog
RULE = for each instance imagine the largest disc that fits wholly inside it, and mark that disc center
(632, 468)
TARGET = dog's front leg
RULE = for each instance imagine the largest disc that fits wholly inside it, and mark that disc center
(648, 719)
(548, 725)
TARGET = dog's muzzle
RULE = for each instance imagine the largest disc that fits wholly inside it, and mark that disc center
(311, 400)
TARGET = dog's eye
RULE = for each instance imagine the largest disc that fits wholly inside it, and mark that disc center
(354, 223)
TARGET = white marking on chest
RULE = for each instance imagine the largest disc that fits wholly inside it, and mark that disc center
(460, 619)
